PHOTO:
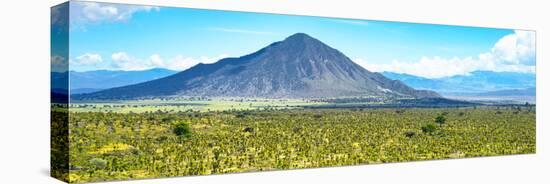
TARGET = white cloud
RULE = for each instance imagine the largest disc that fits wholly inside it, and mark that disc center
(87, 59)
(156, 60)
(58, 60)
(428, 67)
(59, 15)
(91, 12)
(514, 53)
(58, 63)
(122, 61)
(517, 48)
(120, 57)
(180, 62)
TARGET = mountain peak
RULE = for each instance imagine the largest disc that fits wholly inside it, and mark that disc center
(301, 46)
(298, 67)
(300, 38)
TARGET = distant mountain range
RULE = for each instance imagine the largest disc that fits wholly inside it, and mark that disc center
(298, 67)
(515, 84)
(59, 81)
(510, 92)
(92, 81)
(476, 83)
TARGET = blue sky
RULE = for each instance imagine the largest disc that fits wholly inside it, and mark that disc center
(126, 37)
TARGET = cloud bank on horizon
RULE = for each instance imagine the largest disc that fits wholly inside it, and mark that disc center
(512, 53)
(127, 37)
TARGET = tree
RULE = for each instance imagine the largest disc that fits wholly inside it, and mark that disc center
(428, 129)
(440, 119)
(182, 129)
(98, 163)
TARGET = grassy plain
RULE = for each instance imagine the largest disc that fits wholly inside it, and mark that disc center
(114, 144)
(142, 106)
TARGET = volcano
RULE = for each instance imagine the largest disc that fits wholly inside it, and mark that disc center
(298, 67)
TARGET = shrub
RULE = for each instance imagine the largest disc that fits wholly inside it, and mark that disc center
(98, 163)
(182, 129)
(428, 129)
(249, 129)
(168, 119)
(410, 134)
(440, 119)
(242, 114)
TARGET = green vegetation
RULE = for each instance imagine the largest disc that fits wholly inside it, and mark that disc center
(97, 164)
(113, 146)
(182, 129)
(190, 104)
(428, 129)
(440, 119)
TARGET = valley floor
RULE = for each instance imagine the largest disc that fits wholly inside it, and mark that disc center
(114, 146)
